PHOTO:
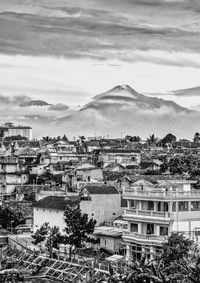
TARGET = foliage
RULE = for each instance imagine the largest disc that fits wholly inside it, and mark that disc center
(152, 140)
(168, 139)
(78, 227)
(7, 216)
(180, 165)
(132, 138)
(15, 138)
(196, 137)
(176, 248)
(49, 235)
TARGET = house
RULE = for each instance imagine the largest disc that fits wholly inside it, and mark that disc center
(122, 156)
(60, 151)
(154, 211)
(51, 209)
(114, 167)
(110, 239)
(103, 203)
(11, 174)
(26, 155)
(148, 166)
(86, 172)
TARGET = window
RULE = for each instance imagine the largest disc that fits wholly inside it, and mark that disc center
(114, 213)
(183, 206)
(163, 231)
(134, 227)
(105, 242)
(195, 205)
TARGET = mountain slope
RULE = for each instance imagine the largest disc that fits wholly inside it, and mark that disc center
(124, 110)
(125, 96)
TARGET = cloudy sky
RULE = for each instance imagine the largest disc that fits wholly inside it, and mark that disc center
(67, 51)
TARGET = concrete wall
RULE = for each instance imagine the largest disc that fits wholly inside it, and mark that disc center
(102, 207)
(53, 217)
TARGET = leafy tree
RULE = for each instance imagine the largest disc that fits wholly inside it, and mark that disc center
(15, 212)
(132, 138)
(15, 138)
(176, 248)
(196, 137)
(168, 139)
(49, 235)
(78, 227)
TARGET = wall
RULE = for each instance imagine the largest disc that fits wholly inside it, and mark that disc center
(53, 217)
(102, 207)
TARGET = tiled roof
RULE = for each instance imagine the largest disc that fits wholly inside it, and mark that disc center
(27, 151)
(56, 202)
(101, 190)
(120, 151)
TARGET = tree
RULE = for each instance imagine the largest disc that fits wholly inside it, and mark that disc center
(78, 227)
(10, 214)
(196, 137)
(168, 139)
(50, 236)
(176, 248)
(152, 140)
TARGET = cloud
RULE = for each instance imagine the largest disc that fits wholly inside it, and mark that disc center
(14, 100)
(77, 32)
(58, 107)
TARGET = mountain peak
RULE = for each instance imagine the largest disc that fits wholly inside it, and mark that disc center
(123, 87)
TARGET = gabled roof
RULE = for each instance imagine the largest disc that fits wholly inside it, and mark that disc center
(56, 202)
(113, 165)
(101, 190)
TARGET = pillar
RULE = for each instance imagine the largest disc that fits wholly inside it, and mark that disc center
(128, 252)
(139, 228)
(128, 204)
(170, 206)
(152, 253)
(189, 205)
(140, 205)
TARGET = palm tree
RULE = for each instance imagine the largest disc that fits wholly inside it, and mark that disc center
(152, 140)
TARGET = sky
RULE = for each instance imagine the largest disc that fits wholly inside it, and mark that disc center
(67, 51)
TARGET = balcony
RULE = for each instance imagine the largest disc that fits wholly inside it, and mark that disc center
(147, 215)
(144, 239)
(160, 195)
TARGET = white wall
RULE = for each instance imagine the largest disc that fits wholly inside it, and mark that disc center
(102, 207)
(54, 217)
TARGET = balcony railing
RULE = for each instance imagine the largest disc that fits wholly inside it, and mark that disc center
(130, 193)
(145, 237)
(150, 213)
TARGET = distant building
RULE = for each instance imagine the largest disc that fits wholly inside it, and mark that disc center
(123, 157)
(9, 129)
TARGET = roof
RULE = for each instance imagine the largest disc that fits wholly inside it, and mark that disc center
(147, 164)
(114, 232)
(27, 151)
(56, 202)
(120, 150)
(101, 190)
(113, 165)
